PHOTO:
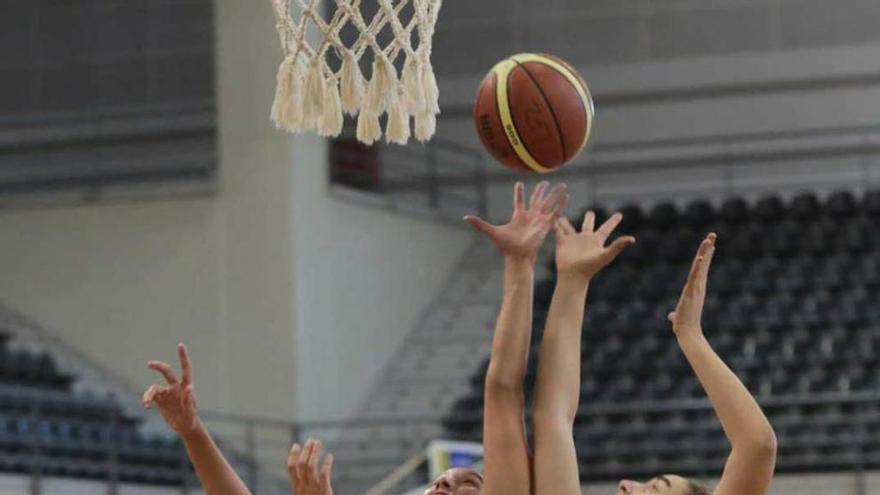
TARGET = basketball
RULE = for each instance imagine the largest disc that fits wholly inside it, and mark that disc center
(533, 113)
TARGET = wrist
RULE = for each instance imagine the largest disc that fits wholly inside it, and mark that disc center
(519, 262)
(197, 433)
(690, 337)
(572, 277)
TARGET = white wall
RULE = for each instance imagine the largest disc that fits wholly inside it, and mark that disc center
(363, 278)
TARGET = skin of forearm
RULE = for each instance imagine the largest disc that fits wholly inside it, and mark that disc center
(744, 423)
(559, 368)
(510, 344)
(214, 472)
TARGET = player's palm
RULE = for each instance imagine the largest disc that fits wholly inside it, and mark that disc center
(177, 409)
(689, 310)
(176, 399)
(528, 227)
(308, 475)
(524, 234)
(585, 253)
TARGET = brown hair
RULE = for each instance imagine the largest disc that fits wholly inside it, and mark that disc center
(697, 489)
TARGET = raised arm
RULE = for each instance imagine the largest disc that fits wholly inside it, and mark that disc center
(506, 458)
(750, 466)
(579, 256)
(176, 402)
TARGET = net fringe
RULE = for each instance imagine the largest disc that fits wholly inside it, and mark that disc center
(331, 120)
(309, 95)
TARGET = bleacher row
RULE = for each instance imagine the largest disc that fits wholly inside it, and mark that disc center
(793, 307)
(46, 427)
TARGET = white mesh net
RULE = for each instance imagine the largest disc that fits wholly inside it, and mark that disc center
(312, 95)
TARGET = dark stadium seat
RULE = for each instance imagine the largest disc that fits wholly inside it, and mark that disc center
(699, 214)
(734, 212)
(72, 431)
(869, 271)
(22, 367)
(805, 207)
(644, 252)
(726, 275)
(747, 243)
(841, 204)
(677, 246)
(633, 219)
(820, 238)
(769, 209)
(663, 215)
(871, 204)
(544, 292)
(783, 241)
(856, 238)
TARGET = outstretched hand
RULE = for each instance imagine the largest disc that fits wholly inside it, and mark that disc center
(302, 467)
(528, 227)
(686, 317)
(584, 253)
(176, 399)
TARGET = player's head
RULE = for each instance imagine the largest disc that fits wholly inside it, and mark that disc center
(456, 481)
(667, 484)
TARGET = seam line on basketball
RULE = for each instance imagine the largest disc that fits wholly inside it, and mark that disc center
(503, 72)
(513, 121)
(549, 107)
(574, 79)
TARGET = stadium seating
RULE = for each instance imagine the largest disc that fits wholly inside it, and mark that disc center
(45, 427)
(792, 307)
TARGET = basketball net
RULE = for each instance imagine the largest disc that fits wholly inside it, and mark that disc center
(311, 95)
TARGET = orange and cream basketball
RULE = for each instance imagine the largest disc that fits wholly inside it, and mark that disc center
(534, 113)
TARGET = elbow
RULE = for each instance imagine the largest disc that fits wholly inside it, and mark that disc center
(769, 444)
(764, 446)
(500, 386)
